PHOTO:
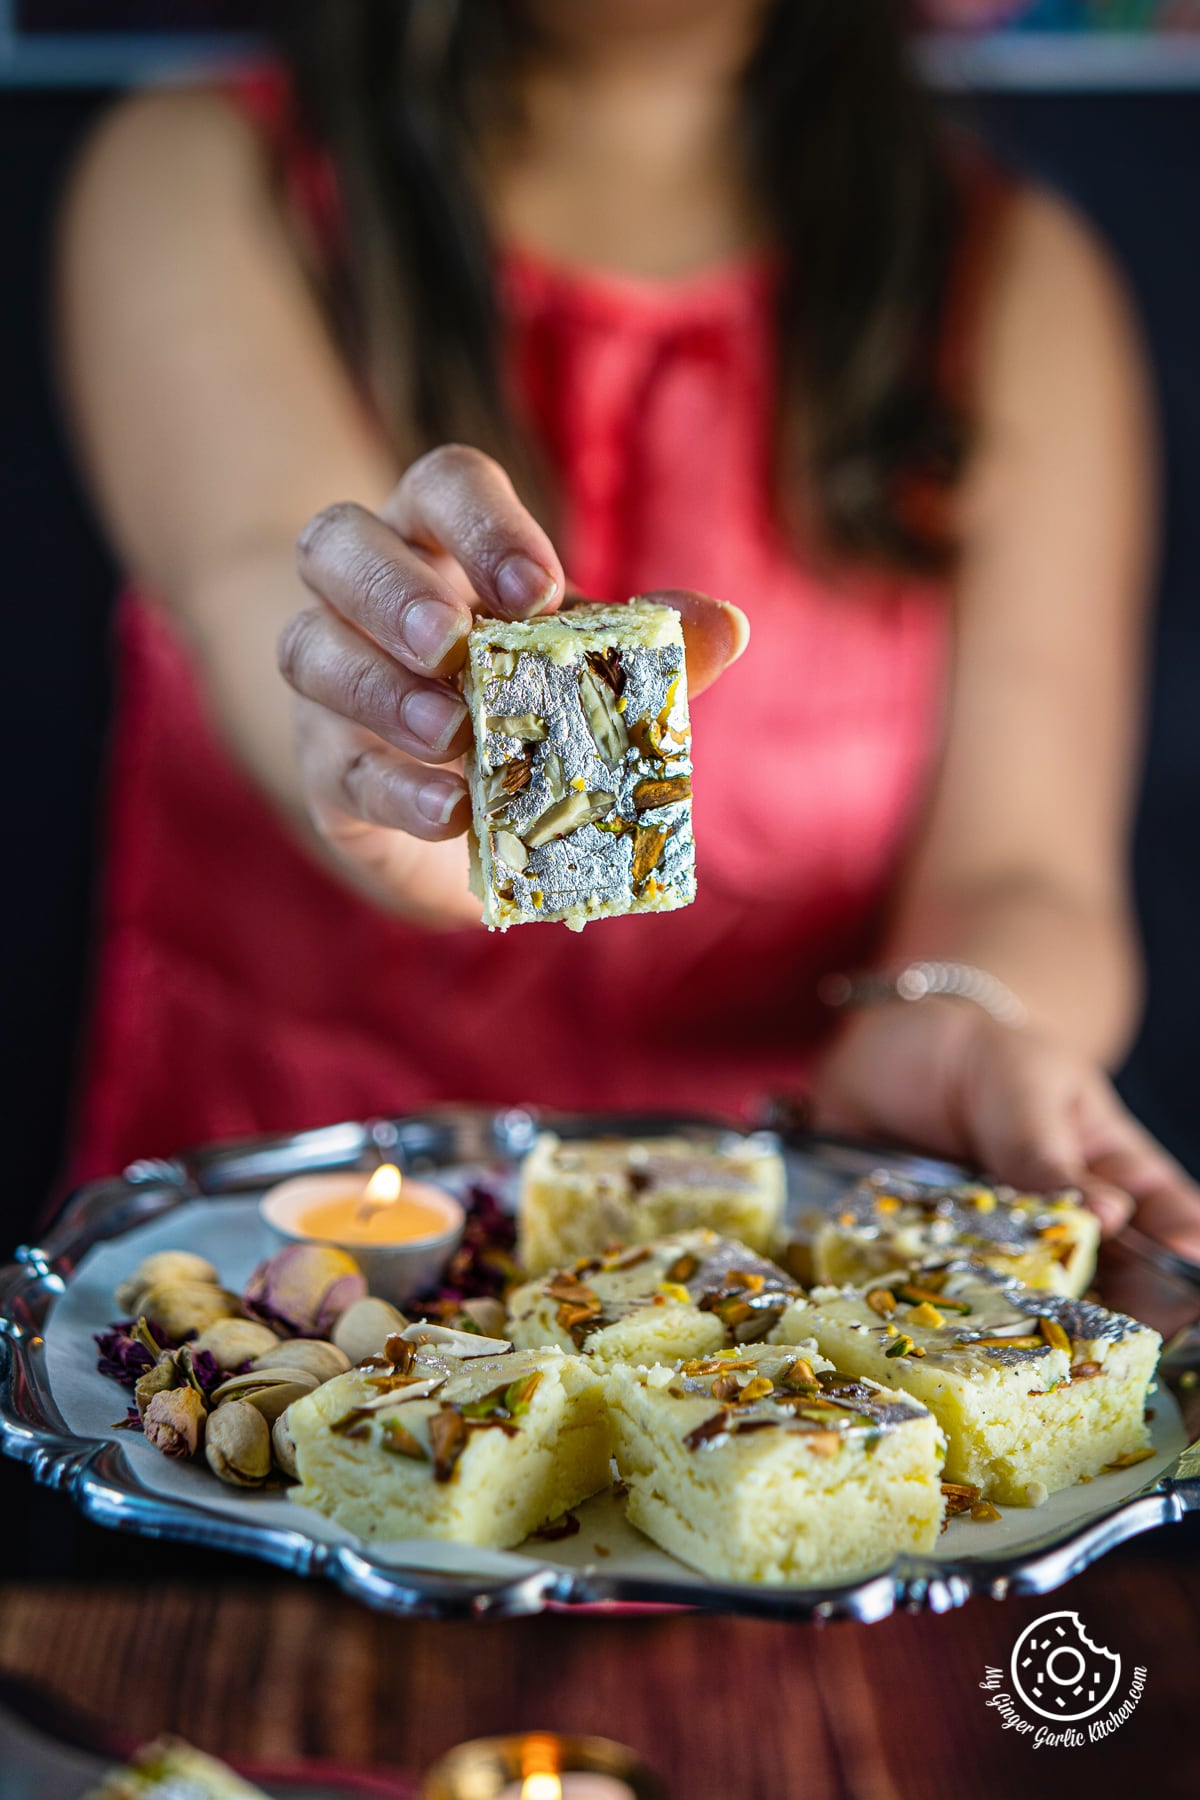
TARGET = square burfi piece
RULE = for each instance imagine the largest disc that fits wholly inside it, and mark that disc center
(1033, 1390)
(581, 770)
(888, 1223)
(580, 1197)
(432, 1445)
(766, 1465)
(690, 1294)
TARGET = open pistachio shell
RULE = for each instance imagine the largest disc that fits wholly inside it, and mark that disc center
(164, 1268)
(179, 1308)
(304, 1289)
(232, 1342)
(284, 1446)
(320, 1359)
(365, 1327)
(237, 1444)
(272, 1391)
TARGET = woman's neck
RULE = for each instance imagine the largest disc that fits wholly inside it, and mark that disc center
(629, 153)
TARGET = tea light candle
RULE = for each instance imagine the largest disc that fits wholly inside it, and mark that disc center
(401, 1232)
(542, 1766)
(573, 1784)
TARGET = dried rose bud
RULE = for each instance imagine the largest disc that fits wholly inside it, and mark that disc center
(174, 1421)
(305, 1289)
(159, 1380)
(237, 1445)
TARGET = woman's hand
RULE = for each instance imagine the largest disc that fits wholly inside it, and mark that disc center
(941, 1075)
(380, 725)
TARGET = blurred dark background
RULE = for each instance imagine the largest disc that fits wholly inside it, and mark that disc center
(1130, 158)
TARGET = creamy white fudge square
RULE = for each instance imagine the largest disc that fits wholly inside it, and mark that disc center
(421, 1443)
(580, 771)
(580, 1196)
(688, 1294)
(1033, 1390)
(766, 1465)
(888, 1223)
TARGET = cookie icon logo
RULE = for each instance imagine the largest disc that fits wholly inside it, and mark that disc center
(1058, 1671)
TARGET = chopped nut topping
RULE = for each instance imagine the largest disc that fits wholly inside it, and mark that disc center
(983, 1512)
(683, 1268)
(823, 1443)
(1054, 1335)
(663, 791)
(709, 1432)
(1086, 1371)
(397, 1439)
(882, 1301)
(528, 728)
(757, 1388)
(607, 665)
(647, 851)
(448, 1440)
(926, 1314)
(799, 1374)
(567, 815)
(674, 1290)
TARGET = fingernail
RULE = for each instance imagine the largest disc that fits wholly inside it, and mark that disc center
(524, 586)
(431, 629)
(436, 800)
(433, 717)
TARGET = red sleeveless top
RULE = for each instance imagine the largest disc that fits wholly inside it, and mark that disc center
(240, 989)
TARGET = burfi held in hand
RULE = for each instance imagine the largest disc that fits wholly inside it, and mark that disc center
(581, 772)
(888, 1223)
(765, 1465)
(428, 1444)
(1032, 1389)
(578, 1198)
(686, 1295)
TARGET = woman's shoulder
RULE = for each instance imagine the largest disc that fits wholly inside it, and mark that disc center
(156, 155)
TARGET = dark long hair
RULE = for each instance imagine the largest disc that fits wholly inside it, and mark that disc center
(860, 195)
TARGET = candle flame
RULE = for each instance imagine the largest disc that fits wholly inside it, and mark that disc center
(541, 1787)
(383, 1189)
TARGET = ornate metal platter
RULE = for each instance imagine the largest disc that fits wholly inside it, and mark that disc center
(54, 1416)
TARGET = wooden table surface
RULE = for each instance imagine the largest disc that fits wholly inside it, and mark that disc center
(725, 1709)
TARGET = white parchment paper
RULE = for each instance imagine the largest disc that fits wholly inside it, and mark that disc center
(229, 1234)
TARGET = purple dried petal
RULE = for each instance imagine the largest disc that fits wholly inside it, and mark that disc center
(122, 1358)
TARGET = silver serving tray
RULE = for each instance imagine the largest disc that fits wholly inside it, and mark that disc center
(99, 1476)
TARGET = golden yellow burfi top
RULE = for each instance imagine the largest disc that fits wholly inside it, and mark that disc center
(422, 1401)
(971, 1215)
(640, 1166)
(963, 1315)
(747, 1293)
(766, 1387)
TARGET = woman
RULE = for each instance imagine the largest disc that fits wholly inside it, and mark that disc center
(706, 279)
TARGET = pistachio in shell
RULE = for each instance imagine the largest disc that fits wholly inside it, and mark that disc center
(365, 1327)
(181, 1308)
(174, 1421)
(159, 1380)
(284, 1446)
(163, 1269)
(303, 1290)
(271, 1391)
(320, 1359)
(232, 1342)
(237, 1444)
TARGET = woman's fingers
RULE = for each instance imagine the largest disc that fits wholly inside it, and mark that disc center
(458, 501)
(361, 567)
(328, 661)
(354, 782)
(1123, 1153)
(714, 633)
